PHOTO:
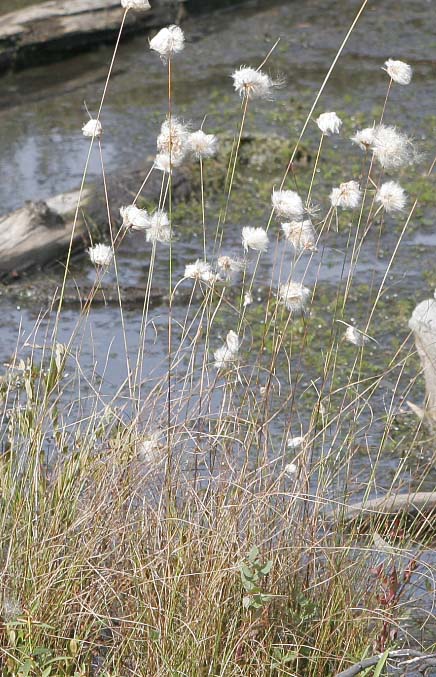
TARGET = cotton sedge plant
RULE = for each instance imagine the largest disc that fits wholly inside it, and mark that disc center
(194, 523)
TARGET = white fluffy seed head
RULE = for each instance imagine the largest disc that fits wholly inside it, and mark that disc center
(399, 71)
(253, 84)
(232, 340)
(101, 254)
(291, 469)
(201, 270)
(135, 4)
(353, 335)
(295, 442)
(391, 196)
(92, 128)
(347, 196)
(248, 299)
(294, 296)
(364, 138)
(134, 218)
(230, 266)
(254, 238)
(202, 145)
(228, 353)
(11, 608)
(168, 41)
(392, 148)
(300, 234)
(150, 450)
(158, 229)
(173, 140)
(287, 204)
(164, 163)
(329, 123)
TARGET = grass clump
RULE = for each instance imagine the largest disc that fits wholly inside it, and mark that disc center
(194, 521)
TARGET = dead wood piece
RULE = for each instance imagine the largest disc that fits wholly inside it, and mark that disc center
(38, 233)
(373, 660)
(421, 503)
(47, 30)
(423, 325)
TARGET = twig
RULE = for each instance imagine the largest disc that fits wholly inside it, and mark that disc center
(373, 660)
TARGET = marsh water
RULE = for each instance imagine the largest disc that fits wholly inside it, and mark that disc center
(42, 152)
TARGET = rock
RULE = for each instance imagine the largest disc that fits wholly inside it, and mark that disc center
(423, 325)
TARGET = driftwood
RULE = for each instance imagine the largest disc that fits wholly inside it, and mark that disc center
(419, 503)
(49, 30)
(423, 325)
(419, 661)
(39, 233)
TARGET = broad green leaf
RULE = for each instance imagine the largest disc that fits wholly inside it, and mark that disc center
(266, 568)
(40, 651)
(246, 572)
(381, 664)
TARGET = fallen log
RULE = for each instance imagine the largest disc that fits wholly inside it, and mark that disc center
(419, 658)
(423, 325)
(50, 30)
(421, 503)
(39, 233)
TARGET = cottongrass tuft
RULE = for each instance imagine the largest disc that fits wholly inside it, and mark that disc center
(253, 84)
(230, 266)
(92, 128)
(287, 204)
(173, 139)
(135, 4)
(101, 254)
(295, 296)
(248, 299)
(168, 41)
(347, 196)
(134, 218)
(300, 234)
(201, 270)
(228, 352)
(329, 123)
(291, 469)
(254, 238)
(399, 71)
(295, 442)
(353, 335)
(392, 148)
(11, 608)
(391, 196)
(150, 450)
(202, 145)
(164, 163)
(159, 229)
(364, 138)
